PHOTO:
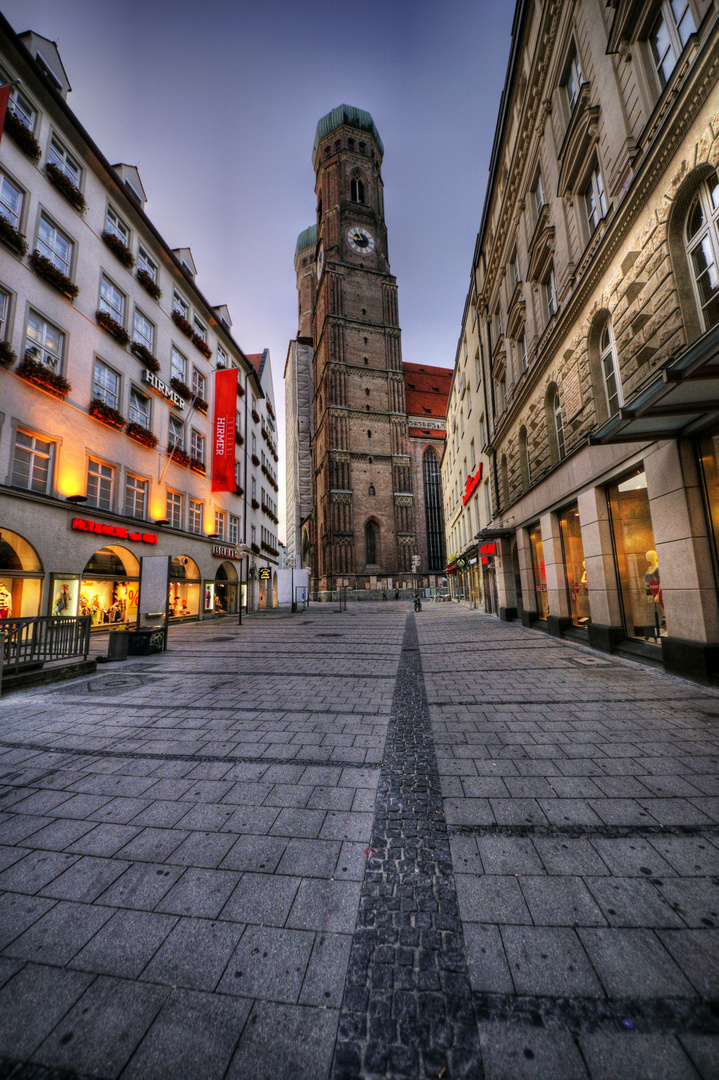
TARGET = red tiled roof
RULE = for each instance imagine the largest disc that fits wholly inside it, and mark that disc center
(255, 359)
(426, 389)
(425, 433)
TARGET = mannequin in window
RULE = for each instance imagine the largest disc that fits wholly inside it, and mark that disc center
(653, 589)
(5, 603)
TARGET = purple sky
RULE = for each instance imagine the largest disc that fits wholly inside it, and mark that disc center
(217, 102)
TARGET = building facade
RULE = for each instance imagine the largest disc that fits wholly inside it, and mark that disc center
(108, 353)
(597, 294)
(354, 505)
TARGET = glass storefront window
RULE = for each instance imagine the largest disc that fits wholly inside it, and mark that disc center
(110, 586)
(185, 587)
(637, 564)
(20, 577)
(709, 459)
(574, 566)
(540, 575)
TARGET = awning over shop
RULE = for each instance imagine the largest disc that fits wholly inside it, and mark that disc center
(494, 534)
(682, 399)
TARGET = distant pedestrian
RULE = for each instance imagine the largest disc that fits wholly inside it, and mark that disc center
(396, 594)
(384, 595)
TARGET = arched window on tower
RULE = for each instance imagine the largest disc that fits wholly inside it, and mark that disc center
(357, 190)
(371, 543)
(434, 514)
(702, 241)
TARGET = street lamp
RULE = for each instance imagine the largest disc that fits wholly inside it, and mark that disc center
(242, 549)
(291, 565)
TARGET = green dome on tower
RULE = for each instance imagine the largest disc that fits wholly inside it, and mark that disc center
(307, 238)
(346, 114)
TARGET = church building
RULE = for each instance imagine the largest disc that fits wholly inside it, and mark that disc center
(365, 432)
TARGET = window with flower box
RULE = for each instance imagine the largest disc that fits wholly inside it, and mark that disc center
(62, 159)
(572, 81)
(11, 198)
(32, 462)
(44, 342)
(139, 409)
(147, 263)
(136, 496)
(220, 519)
(55, 245)
(100, 484)
(176, 432)
(253, 534)
(178, 365)
(117, 227)
(234, 534)
(143, 331)
(112, 301)
(106, 385)
(549, 295)
(174, 509)
(199, 385)
(4, 314)
(222, 357)
(200, 329)
(195, 516)
(19, 105)
(179, 305)
(238, 474)
(197, 447)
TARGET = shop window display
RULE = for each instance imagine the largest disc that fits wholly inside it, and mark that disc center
(109, 587)
(225, 589)
(574, 566)
(636, 558)
(709, 459)
(540, 575)
(184, 588)
(20, 577)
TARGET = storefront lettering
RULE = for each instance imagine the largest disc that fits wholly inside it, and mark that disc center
(163, 388)
(120, 533)
(487, 549)
(224, 552)
(471, 484)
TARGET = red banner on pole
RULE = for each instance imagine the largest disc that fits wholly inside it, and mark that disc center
(4, 98)
(223, 440)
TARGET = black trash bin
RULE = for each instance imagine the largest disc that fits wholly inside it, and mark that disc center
(118, 645)
(149, 639)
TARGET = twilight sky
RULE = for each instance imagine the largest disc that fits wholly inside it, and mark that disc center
(217, 102)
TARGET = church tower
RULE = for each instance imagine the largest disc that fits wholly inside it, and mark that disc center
(362, 529)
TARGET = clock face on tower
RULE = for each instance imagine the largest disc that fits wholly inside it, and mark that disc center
(360, 240)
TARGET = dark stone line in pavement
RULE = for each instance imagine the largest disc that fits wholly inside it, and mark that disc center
(19, 1070)
(139, 755)
(582, 1016)
(407, 1009)
(494, 699)
(608, 832)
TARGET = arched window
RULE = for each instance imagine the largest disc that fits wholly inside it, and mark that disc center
(434, 514)
(558, 424)
(555, 424)
(702, 240)
(610, 369)
(357, 190)
(371, 489)
(525, 465)
(371, 543)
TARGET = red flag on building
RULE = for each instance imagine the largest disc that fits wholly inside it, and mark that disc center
(4, 98)
(223, 438)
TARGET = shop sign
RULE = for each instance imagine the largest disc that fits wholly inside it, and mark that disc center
(471, 484)
(472, 562)
(265, 574)
(117, 531)
(162, 388)
(223, 436)
(488, 549)
(224, 551)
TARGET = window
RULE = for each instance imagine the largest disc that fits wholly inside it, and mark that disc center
(106, 385)
(54, 245)
(32, 462)
(4, 314)
(498, 328)
(472, 456)
(220, 524)
(10, 201)
(195, 516)
(179, 305)
(254, 488)
(538, 194)
(200, 329)
(371, 489)
(177, 432)
(702, 238)
(178, 365)
(514, 271)
(139, 408)
(572, 82)
(222, 358)
(59, 156)
(253, 534)
(254, 443)
(174, 509)
(558, 425)
(116, 226)
(147, 263)
(43, 341)
(370, 540)
(549, 290)
(21, 107)
(522, 352)
(143, 331)
(669, 34)
(197, 446)
(199, 384)
(100, 484)
(477, 368)
(610, 369)
(112, 301)
(595, 200)
(357, 190)
(234, 534)
(238, 474)
(135, 497)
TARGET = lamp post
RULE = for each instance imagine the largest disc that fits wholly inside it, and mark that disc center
(291, 565)
(242, 550)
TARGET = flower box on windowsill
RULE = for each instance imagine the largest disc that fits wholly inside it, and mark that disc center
(66, 187)
(178, 454)
(202, 345)
(255, 416)
(106, 414)
(197, 466)
(270, 410)
(240, 390)
(201, 405)
(239, 439)
(255, 504)
(113, 327)
(22, 136)
(239, 490)
(38, 374)
(144, 355)
(181, 388)
(255, 548)
(47, 270)
(141, 434)
(149, 284)
(182, 324)
(255, 459)
(8, 356)
(12, 237)
(119, 250)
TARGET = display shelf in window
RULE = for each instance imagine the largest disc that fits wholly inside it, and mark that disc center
(22, 135)
(38, 374)
(66, 187)
(11, 236)
(182, 324)
(147, 283)
(179, 455)
(8, 356)
(141, 434)
(47, 270)
(120, 251)
(113, 327)
(181, 388)
(145, 356)
(106, 414)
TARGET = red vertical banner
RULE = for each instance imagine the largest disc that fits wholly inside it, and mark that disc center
(223, 436)
(4, 98)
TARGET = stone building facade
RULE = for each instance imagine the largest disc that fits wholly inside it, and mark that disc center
(365, 523)
(596, 289)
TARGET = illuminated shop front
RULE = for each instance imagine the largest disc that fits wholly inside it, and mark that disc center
(226, 583)
(709, 466)
(575, 569)
(21, 577)
(638, 570)
(540, 574)
(185, 588)
(108, 590)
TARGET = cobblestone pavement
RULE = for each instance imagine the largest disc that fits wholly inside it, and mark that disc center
(365, 844)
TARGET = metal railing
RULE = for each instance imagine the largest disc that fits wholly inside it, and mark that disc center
(33, 642)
